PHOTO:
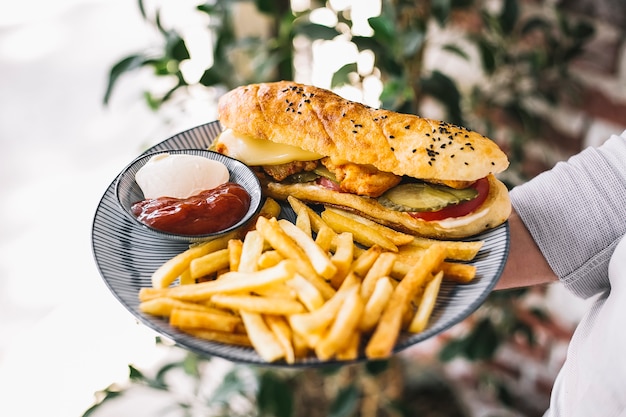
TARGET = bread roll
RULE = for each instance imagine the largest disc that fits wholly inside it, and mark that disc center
(493, 212)
(320, 121)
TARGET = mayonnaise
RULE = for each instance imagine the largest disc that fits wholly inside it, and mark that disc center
(454, 222)
(179, 176)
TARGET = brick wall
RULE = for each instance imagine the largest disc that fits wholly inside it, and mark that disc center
(602, 70)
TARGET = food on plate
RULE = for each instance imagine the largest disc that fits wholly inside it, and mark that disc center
(293, 295)
(188, 195)
(415, 175)
(179, 175)
(206, 212)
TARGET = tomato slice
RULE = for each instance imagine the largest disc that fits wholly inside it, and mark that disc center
(457, 210)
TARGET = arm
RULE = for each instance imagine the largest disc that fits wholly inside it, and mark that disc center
(567, 221)
(526, 265)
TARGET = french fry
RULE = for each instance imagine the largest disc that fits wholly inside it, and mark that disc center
(277, 291)
(350, 351)
(268, 259)
(163, 306)
(398, 238)
(342, 258)
(316, 321)
(361, 233)
(149, 293)
(279, 326)
(455, 250)
(209, 263)
(233, 282)
(306, 292)
(190, 319)
(365, 260)
(227, 338)
(300, 345)
(388, 328)
(256, 304)
(303, 221)
(314, 218)
(427, 304)
(170, 270)
(325, 237)
(317, 257)
(345, 324)
(251, 250)
(380, 268)
(289, 249)
(458, 272)
(376, 304)
(453, 271)
(270, 208)
(234, 253)
(262, 338)
(185, 278)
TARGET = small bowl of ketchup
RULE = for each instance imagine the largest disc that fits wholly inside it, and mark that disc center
(188, 195)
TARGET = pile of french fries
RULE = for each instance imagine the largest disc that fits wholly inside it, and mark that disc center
(333, 285)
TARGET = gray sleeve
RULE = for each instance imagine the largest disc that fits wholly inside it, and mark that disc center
(576, 213)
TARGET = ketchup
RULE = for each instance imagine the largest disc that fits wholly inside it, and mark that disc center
(207, 212)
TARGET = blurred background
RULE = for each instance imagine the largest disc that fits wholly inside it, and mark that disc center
(86, 85)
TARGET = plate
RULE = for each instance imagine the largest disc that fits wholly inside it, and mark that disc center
(126, 255)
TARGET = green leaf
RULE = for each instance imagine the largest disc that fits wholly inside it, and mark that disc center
(135, 374)
(487, 55)
(342, 75)
(211, 77)
(583, 31)
(454, 348)
(275, 396)
(384, 29)
(456, 51)
(377, 367)
(104, 396)
(396, 92)
(483, 341)
(509, 16)
(175, 47)
(267, 6)
(232, 384)
(443, 88)
(346, 402)
(315, 31)
(441, 10)
(412, 41)
(125, 65)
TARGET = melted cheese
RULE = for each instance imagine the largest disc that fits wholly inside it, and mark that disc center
(454, 222)
(255, 152)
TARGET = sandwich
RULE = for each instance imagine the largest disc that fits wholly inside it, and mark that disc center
(421, 176)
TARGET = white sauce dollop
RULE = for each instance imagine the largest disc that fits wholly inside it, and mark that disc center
(180, 176)
(454, 222)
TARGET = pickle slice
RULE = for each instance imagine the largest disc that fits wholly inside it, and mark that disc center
(302, 177)
(424, 197)
(322, 171)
